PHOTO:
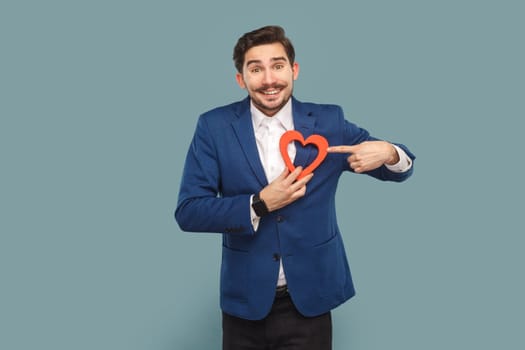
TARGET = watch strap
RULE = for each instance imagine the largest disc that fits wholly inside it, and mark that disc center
(259, 207)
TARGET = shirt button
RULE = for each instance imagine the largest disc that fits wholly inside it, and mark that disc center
(276, 257)
(280, 218)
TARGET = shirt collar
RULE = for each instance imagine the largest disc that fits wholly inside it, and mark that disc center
(284, 116)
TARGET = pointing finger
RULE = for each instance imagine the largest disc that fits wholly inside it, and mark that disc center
(341, 149)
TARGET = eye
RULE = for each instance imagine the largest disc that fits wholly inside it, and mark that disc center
(255, 70)
(279, 66)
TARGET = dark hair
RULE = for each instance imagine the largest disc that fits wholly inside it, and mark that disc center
(261, 36)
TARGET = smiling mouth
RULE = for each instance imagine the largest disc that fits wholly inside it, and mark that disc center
(271, 92)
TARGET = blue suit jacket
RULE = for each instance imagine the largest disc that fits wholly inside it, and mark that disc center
(223, 170)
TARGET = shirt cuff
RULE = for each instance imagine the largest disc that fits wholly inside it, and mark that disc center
(404, 164)
(254, 218)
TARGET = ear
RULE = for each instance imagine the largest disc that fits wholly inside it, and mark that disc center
(295, 70)
(240, 80)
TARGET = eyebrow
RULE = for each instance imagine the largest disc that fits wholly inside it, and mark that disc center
(273, 59)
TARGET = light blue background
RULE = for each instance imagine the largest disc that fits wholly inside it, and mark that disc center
(98, 102)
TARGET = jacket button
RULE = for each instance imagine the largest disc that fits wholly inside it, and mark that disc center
(280, 218)
(276, 257)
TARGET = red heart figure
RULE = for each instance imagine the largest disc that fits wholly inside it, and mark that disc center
(317, 140)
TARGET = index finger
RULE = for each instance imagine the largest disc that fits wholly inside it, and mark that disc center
(291, 177)
(302, 182)
(341, 149)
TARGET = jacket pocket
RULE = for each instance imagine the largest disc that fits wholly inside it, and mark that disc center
(329, 266)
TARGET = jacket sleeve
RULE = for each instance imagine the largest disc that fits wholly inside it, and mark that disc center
(201, 206)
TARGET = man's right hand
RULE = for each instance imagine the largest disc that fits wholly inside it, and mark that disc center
(285, 189)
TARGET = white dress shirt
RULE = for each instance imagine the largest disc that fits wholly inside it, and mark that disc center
(268, 131)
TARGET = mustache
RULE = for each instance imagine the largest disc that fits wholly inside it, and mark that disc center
(272, 86)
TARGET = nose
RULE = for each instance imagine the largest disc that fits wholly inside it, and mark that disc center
(269, 77)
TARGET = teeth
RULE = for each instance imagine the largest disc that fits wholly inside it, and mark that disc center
(273, 92)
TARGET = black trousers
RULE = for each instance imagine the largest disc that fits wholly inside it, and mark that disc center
(283, 328)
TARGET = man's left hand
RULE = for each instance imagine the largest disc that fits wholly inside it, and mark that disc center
(368, 155)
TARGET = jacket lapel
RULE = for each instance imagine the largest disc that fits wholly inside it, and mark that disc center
(243, 127)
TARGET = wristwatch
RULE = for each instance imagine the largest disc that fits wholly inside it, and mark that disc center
(259, 207)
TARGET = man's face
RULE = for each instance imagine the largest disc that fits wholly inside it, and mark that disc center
(268, 77)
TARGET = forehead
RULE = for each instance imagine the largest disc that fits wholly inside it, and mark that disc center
(265, 53)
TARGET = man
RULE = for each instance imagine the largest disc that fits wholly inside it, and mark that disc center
(283, 262)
